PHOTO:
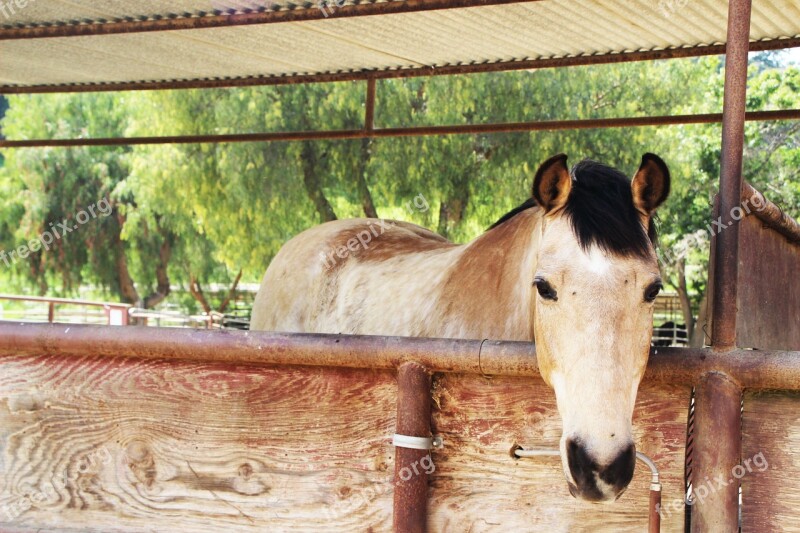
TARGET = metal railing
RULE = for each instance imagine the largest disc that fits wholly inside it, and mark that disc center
(76, 311)
(109, 313)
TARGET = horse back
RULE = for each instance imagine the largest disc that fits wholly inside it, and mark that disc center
(318, 279)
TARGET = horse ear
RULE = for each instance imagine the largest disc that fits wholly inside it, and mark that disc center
(552, 183)
(650, 185)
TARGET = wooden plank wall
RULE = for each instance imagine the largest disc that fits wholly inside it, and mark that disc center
(768, 289)
(770, 441)
(478, 487)
(123, 445)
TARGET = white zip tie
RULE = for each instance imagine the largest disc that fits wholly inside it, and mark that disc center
(416, 443)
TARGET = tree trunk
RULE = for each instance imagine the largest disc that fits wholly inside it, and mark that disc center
(224, 305)
(313, 183)
(451, 213)
(441, 226)
(364, 156)
(127, 289)
(39, 272)
(197, 292)
(162, 279)
(453, 209)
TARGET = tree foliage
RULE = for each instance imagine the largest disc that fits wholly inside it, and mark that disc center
(200, 214)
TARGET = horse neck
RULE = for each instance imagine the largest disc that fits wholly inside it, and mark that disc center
(489, 287)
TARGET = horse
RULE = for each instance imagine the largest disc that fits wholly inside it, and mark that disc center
(572, 269)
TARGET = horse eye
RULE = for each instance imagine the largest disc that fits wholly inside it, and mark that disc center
(652, 291)
(545, 290)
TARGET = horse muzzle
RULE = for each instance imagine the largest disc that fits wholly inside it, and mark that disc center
(595, 481)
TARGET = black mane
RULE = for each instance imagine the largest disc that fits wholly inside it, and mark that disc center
(601, 212)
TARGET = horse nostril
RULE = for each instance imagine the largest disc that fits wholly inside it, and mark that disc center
(620, 471)
(580, 464)
(583, 469)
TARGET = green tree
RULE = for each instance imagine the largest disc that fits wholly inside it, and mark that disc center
(43, 189)
(204, 213)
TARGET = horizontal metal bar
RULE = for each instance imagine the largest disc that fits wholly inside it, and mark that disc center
(753, 369)
(507, 127)
(443, 70)
(61, 301)
(263, 16)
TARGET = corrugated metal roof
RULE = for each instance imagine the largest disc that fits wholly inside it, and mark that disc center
(494, 33)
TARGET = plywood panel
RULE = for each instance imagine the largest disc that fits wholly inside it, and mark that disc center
(479, 487)
(771, 440)
(768, 290)
(121, 445)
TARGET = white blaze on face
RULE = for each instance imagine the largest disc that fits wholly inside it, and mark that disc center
(597, 262)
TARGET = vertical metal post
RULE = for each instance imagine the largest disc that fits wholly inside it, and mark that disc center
(723, 334)
(654, 519)
(717, 450)
(717, 420)
(369, 116)
(410, 477)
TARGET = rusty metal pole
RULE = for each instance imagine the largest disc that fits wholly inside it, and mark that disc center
(654, 520)
(723, 333)
(717, 450)
(410, 476)
(414, 131)
(717, 422)
(369, 114)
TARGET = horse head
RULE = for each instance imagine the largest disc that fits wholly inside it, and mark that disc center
(595, 281)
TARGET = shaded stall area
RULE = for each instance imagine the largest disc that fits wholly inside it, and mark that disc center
(132, 429)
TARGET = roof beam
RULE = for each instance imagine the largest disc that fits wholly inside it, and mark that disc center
(460, 129)
(473, 68)
(264, 16)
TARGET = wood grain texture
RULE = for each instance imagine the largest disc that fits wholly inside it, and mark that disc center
(109, 445)
(771, 498)
(123, 445)
(479, 487)
(773, 306)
